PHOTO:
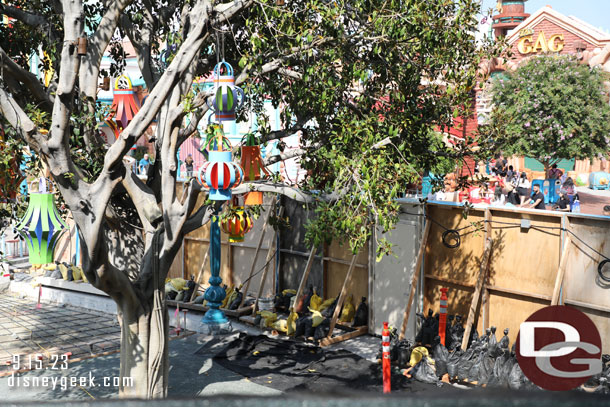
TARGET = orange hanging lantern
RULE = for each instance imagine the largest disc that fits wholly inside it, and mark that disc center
(252, 163)
(125, 104)
(237, 223)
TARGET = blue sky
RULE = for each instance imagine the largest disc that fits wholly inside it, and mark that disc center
(594, 12)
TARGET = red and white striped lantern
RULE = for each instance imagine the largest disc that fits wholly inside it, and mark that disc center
(442, 321)
(387, 370)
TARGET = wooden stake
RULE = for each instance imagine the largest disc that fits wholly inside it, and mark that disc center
(476, 296)
(414, 280)
(304, 278)
(270, 252)
(486, 299)
(346, 282)
(562, 265)
(199, 275)
(258, 248)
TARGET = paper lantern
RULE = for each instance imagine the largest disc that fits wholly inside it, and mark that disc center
(252, 163)
(237, 224)
(41, 226)
(227, 96)
(125, 104)
(220, 174)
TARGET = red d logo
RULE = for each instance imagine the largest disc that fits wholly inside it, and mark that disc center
(559, 348)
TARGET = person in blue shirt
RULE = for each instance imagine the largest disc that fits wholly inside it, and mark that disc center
(143, 165)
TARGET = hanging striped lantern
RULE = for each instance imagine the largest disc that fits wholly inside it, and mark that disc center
(220, 174)
(41, 225)
(227, 96)
(113, 129)
(125, 104)
(252, 163)
(237, 224)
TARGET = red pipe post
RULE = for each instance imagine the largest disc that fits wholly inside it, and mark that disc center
(442, 322)
(387, 370)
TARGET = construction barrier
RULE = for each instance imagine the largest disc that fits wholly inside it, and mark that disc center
(387, 370)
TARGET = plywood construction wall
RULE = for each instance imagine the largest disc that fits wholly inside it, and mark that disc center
(522, 269)
(582, 286)
(452, 268)
(338, 259)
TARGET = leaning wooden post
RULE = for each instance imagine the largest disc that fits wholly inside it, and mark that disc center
(562, 263)
(346, 282)
(270, 252)
(304, 278)
(485, 305)
(258, 248)
(415, 279)
(477, 292)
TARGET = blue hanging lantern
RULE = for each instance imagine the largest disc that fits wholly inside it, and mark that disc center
(227, 96)
(220, 174)
(41, 226)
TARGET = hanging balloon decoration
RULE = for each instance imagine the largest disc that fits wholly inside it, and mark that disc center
(236, 222)
(41, 226)
(227, 96)
(219, 174)
(125, 104)
(252, 163)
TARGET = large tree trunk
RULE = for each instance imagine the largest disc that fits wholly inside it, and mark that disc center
(144, 349)
(142, 313)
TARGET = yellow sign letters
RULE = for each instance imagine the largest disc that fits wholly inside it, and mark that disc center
(526, 44)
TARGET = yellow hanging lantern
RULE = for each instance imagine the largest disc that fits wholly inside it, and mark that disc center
(237, 224)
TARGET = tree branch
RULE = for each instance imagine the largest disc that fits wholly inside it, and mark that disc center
(20, 121)
(28, 79)
(297, 152)
(141, 39)
(96, 45)
(70, 62)
(291, 192)
(34, 20)
(200, 217)
(157, 97)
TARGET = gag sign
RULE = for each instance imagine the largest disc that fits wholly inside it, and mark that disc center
(527, 45)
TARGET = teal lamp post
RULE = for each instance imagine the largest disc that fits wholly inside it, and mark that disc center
(219, 175)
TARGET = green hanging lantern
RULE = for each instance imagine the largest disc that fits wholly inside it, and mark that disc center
(41, 226)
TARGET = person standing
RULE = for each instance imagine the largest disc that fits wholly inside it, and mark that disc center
(500, 166)
(188, 165)
(523, 188)
(144, 164)
(554, 172)
(510, 174)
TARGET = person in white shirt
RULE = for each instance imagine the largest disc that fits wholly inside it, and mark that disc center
(523, 187)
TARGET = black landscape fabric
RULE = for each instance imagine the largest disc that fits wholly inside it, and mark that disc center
(289, 365)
